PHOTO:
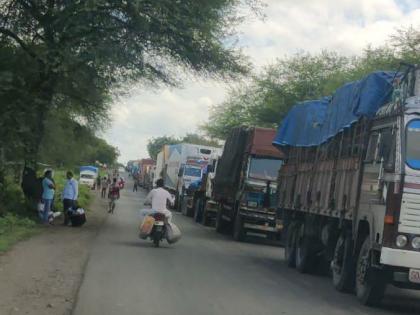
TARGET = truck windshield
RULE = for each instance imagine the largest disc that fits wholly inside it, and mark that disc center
(413, 141)
(88, 176)
(264, 168)
(192, 171)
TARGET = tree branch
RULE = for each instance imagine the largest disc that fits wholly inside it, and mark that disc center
(22, 44)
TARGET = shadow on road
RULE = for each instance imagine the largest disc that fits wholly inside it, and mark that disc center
(142, 244)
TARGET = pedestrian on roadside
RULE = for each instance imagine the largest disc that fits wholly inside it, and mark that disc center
(104, 186)
(48, 190)
(135, 185)
(70, 194)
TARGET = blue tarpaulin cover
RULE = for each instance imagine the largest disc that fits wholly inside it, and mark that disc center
(311, 123)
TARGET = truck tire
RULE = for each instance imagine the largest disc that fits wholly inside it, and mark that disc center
(304, 257)
(370, 283)
(204, 217)
(238, 229)
(197, 211)
(290, 245)
(342, 265)
(220, 224)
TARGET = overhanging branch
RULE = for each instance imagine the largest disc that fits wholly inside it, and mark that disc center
(21, 43)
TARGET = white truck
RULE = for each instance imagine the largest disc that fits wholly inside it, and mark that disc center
(177, 172)
(88, 175)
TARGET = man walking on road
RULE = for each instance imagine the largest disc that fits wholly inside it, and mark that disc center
(70, 193)
(135, 185)
(48, 189)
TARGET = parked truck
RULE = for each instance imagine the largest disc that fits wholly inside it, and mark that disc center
(195, 196)
(88, 175)
(349, 190)
(245, 183)
(176, 172)
(145, 165)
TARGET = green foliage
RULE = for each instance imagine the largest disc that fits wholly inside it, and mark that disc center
(14, 228)
(67, 143)
(67, 56)
(154, 145)
(266, 99)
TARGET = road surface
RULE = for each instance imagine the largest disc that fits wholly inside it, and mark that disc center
(205, 274)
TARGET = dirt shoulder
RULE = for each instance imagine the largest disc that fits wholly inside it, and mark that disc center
(42, 275)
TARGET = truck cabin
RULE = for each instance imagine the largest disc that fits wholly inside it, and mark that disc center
(191, 171)
(260, 186)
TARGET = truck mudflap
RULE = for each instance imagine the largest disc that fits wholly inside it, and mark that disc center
(400, 258)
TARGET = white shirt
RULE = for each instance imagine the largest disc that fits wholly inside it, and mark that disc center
(70, 190)
(158, 197)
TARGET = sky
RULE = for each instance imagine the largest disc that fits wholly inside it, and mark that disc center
(289, 26)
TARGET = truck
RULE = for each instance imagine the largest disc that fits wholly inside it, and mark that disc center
(198, 198)
(245, 183)
(145, 166)
(196, 189)
(349, 189)
(88, 175)
(179, 167)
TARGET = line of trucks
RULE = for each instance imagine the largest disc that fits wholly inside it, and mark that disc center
(339, 182)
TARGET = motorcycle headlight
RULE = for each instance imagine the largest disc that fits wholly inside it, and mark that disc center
(416, 243)
(401, 240)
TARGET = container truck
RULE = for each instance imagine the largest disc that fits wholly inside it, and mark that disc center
(245, 183)
(145, 166)
(349, 190)
(177, 173)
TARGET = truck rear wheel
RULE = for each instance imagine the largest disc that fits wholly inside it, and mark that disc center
(204, 217)
(370, 283)
(221, 225)
(197, 211)
(304, 257)
(342, 265)
(238, 229)
(290, 245)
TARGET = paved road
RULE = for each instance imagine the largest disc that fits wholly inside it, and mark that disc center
(205, 274)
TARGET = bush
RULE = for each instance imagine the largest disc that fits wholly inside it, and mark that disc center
(14, 228)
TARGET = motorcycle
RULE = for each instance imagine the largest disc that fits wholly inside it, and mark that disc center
(159, 229)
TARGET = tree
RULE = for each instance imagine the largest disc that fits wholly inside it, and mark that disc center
(154, 145)
(269, 96)
(76, 51)
(194, 138)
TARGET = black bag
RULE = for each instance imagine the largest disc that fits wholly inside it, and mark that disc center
(77, 219)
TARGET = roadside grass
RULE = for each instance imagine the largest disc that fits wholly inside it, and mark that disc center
(14, 228)
(18, 221)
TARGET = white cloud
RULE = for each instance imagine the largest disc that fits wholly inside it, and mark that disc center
(346, 26)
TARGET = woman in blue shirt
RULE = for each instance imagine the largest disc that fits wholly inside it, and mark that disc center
(48, 189)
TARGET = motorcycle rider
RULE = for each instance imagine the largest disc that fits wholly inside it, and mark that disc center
(158, 198)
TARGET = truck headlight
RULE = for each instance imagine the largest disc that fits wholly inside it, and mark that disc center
(416, 242)
(401, 240)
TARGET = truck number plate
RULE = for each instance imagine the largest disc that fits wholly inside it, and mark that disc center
(414, 275)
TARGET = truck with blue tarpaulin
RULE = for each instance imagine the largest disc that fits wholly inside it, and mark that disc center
(349, 189)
